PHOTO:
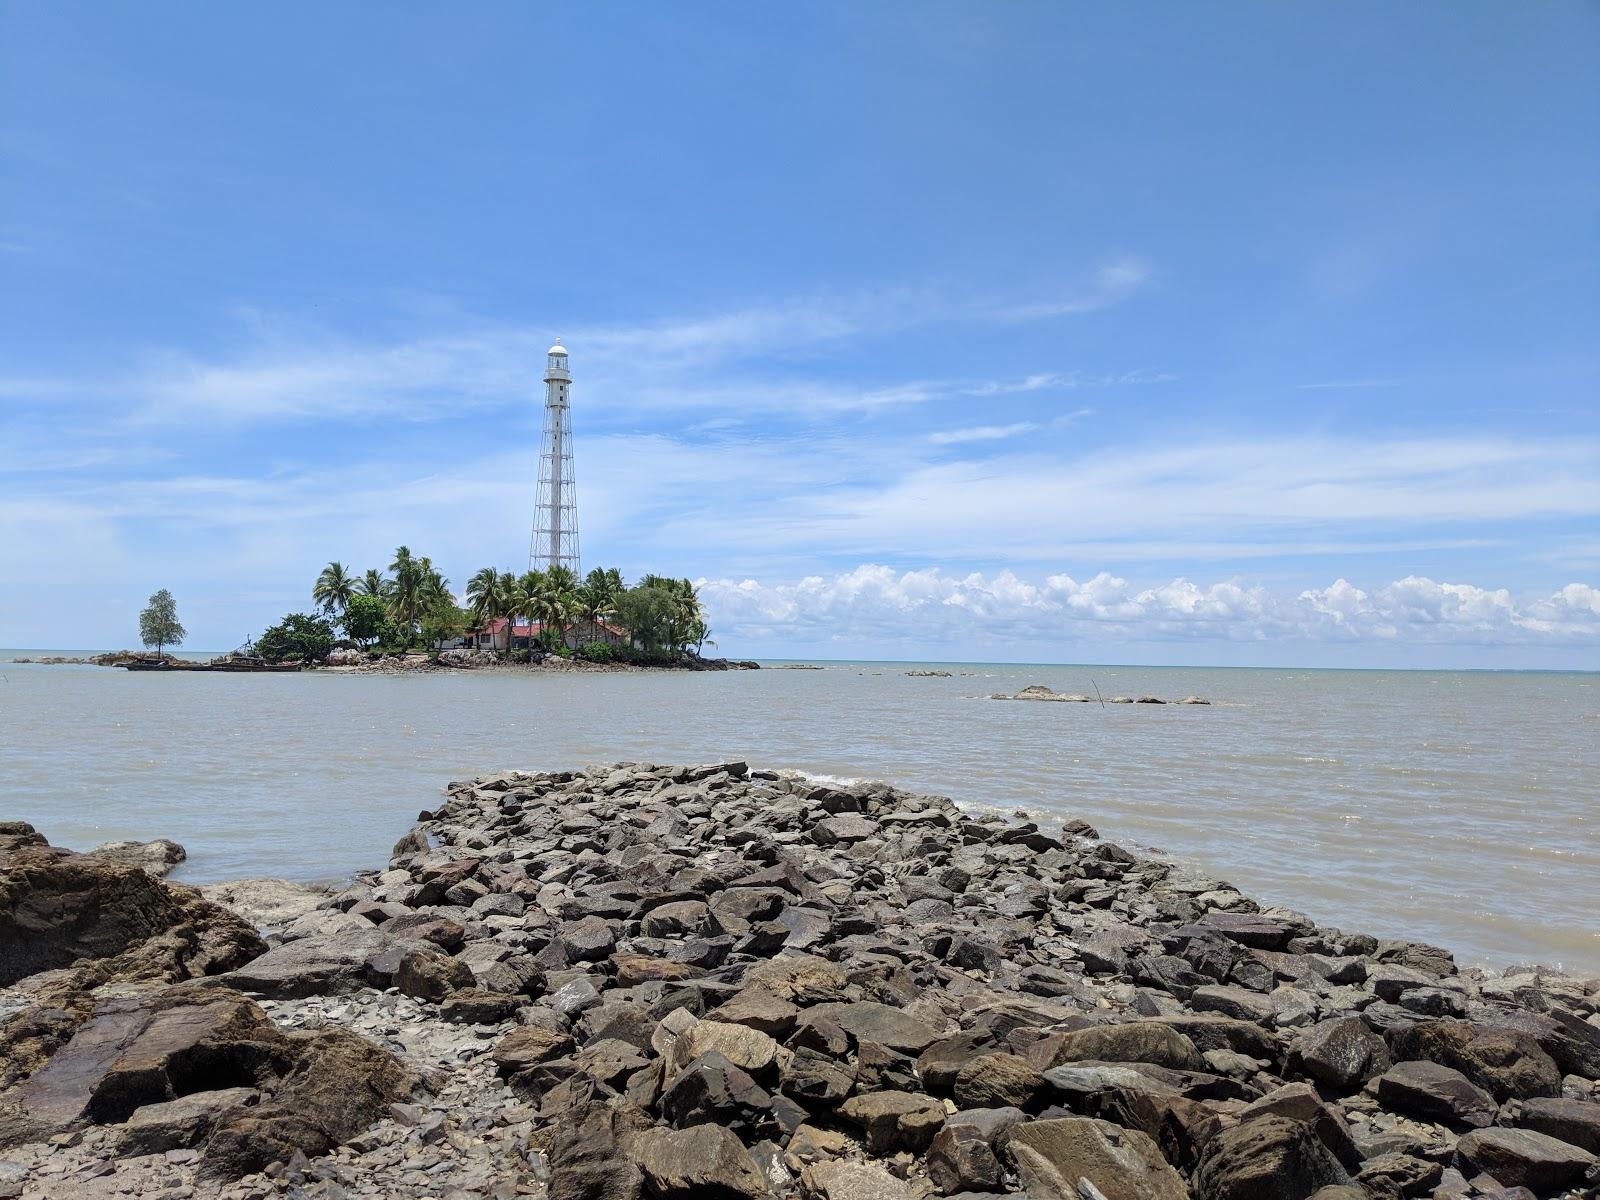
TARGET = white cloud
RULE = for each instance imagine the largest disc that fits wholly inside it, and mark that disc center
(875, 601)
(980, 433)
(1111, 284)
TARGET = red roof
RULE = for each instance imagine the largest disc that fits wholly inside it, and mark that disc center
(496, 626)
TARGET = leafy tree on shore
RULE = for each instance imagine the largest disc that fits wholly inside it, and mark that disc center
(372, 583)
(366, 620)
(334, 588)
(158, 623)
(646, 613)
(297, 636)
(443, 622)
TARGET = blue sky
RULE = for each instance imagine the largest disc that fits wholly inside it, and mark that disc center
(1256, 333)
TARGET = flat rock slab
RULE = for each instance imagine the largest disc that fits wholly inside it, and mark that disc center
(1051, 1156)
(1524, 1158)
(1435, 1093)
(851, 1181)
(869, 1021)
(313, 966)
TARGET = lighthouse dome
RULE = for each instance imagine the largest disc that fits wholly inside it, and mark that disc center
(558, 348)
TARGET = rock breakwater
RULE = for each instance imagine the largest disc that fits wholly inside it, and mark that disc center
(709, 981)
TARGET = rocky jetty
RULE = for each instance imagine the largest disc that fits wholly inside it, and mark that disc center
(682, 982)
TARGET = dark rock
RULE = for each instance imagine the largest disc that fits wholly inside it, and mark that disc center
(1250, 929)
(1523, 1158)
(997, 1081)
(1572, 1042)
(939, 1063)
(1402, 1175)
(428, 973)
(58, 908)
(1241, 1004)
(588, 940)
(869, 1021)
(815, 1078)
(1574, 1121)
(527, 1046)
(181, 1123)
(338, 1084)
(894, 1120)
(1504, 1062)
(1268, 1158)
(711, 1088)
(1137, 1041)
(705, 1162)
(1435, 1093)
(960, 1158)
(477, 1006)
(1341, 1054)
(1300, 1102)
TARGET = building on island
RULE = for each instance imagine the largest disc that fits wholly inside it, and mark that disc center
(492, 635)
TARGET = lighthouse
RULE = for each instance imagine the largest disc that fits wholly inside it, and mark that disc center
(555, 516)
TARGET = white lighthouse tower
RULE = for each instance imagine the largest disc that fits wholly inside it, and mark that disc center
(555, 517)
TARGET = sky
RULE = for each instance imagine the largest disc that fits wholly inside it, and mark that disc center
(1245, 334)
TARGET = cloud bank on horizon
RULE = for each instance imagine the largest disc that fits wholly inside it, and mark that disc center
(1006, 372)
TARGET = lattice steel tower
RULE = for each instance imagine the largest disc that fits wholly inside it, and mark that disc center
(555, 516)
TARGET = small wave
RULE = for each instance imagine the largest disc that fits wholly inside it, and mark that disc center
(822, 777)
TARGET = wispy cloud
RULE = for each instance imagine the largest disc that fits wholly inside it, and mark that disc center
(1349, 385)
(981, 433)
(287, 372)
(1111, 284)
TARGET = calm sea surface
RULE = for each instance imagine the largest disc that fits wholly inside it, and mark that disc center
(1462, 808)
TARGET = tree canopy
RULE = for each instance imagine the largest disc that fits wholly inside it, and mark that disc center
(158, 623)
(297, 636)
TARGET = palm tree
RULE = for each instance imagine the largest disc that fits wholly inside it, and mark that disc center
(597, 596)
(413, 589)
(492, 594)
(334, 587)
(548, 602)
(372, 583)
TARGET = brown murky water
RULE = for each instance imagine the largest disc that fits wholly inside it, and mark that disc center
(1463, 808)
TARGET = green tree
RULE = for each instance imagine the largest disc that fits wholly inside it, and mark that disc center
(646, 613)
(366, 620)
(443, 622)
(372, 583)
(334, 588)
(307, 638)
(158, 623)
(685, 622)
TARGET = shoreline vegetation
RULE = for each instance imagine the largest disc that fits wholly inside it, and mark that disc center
(673, 982)
(410, 620)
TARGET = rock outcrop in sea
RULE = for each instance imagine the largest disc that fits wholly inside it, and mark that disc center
(706, 981)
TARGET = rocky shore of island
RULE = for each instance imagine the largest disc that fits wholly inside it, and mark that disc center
(685, 982)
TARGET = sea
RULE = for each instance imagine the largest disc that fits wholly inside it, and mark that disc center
(1461, 808)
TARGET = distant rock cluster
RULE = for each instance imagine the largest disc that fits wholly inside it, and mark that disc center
(1038, 691)
(678, 982)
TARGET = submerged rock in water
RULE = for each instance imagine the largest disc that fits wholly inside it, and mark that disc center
(156, 858)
